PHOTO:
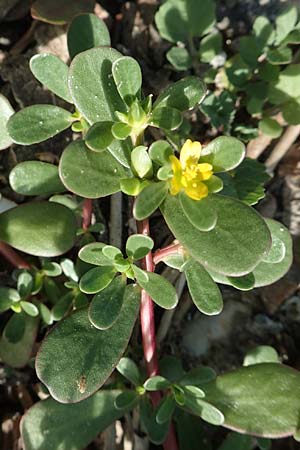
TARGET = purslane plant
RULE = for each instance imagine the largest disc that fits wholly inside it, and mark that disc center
(204, 195)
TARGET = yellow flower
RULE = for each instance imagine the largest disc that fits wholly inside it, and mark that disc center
(188, 174)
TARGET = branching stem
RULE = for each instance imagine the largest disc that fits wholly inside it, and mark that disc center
(87, 213)
(170, 250)
(13, 257)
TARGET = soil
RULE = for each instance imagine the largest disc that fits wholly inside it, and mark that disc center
(268, 316)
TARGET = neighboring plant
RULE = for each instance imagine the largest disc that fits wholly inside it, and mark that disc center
(261, 80)
(205, 196)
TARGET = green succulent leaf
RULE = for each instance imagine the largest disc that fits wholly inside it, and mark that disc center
(261, 354)
(160, 152)
(165, 409)
(178, 20)
(280, 56)
(198, 376)
(89, 174)
(6, 111)
(138, 246)
(220, 109)
(286, 86)
(8, 296)
(236, 441)
(204, 292)
(38, 123)
(234, 247)
(224, 153)
(250, 50)
(85, 367)
(128, 368)
(99, 136)
(92, 254)
(52, 72)
(60, 13)
(85, 421)
(263, 31)
(210, 46)
(244, 283)
(39, 228)
(199, 213)
(205, 410)
(183, 95)
(107, 304)
(156, 383)
(127, 399)
(17, 354)
(180, 58)
(272, 391)
(14, 329)
(35, 178)
(291, 112)
(128, 78)
(159, 288)
(166, 118)
(150, 199)
(156, 432)
(121, 130)
(246, 182)
(85, 32)
(96, 279)
(270, 127)
(267, 272)
(92, 87)
(285, 23)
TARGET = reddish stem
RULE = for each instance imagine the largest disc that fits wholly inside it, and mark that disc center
(87, 213)
(13, 257)
(162, 253)
(149, 339)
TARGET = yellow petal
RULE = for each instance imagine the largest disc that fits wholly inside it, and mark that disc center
(175, 164)
(196, 190)
(190, 152)
(177, 175)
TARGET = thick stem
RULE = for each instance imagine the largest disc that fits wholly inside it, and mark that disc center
(87, 213)
(149, 339)
(13, 257)
(170, 250)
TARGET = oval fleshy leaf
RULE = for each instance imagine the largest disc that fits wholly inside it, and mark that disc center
(223, 153)
(60, 13)
(106, 305)
(234, 247)
(199, 213)
(128, 368)
(99, 136)
(96, 279)
(92, 87)
(81, 369)
(204, 292)
(39, 228)
(35, 178)
(166, 118)
(138, 246)
(128, 78)
(182, 95)
(17, 354)
(159, 288)
(38, 123)
(92, 254)
(266, 272)
(52, 72)
(267, 387)
(6, 111)
(89, 174)
(85, 32)
(85, 421)
(150, 199)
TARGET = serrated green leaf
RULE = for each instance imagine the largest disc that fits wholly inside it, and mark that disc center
(85, 421)
(52, 72)
(199, 212)
(35, 178)
(6, 111)
(38, 123)
(224, 153)
(150, 199)
(92, 87)
(128, 78)
(182, 95)
(106, 305)
(89, 174)
(85, 367)
(39, 228)
(226, 248)
(204, 292)
(85, 32)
